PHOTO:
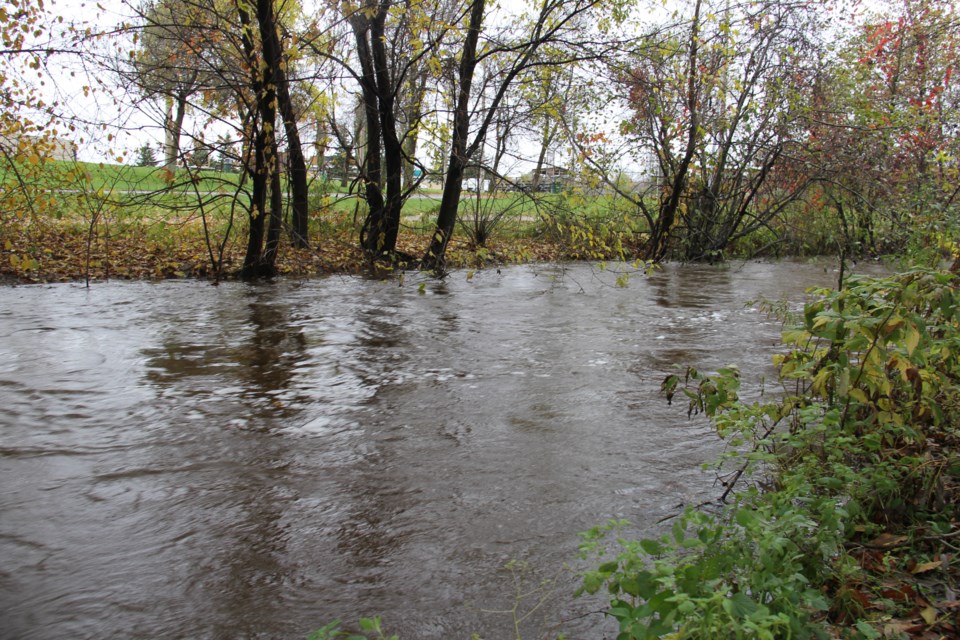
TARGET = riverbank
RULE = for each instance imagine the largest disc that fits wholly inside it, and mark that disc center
(65, 254)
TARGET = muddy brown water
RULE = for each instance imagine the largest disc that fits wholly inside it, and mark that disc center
(179, 460)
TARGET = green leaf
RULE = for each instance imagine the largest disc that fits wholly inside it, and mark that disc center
(745, 517)
(652, 547)
(678, 532)
(331, 630)
(643, 585)
(592, 581)
(740, 606)
(608, 567)
(867, 631)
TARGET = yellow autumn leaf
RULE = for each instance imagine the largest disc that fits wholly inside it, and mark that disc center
(820, 321)
(819, 384)
(892, 325)
(859, 395)
(912, 340)
(888, 540)
(927, 566)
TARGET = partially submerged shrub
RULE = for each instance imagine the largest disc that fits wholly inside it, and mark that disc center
(860, 460)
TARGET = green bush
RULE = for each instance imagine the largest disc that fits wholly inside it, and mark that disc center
(863, 442)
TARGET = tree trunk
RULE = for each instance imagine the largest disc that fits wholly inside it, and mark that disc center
(257, 262)
(173, 129)
(258, 206)
(545, 141)
(435, 256)
(504, 130)
(413, 113)
(381, 228)
(660, 233)
(392, 149)
(273, 59)
(371, 235)
(300, 204)
(275, 224)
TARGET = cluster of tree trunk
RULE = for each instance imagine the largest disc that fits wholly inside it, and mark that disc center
(396, 48)
(738, 105)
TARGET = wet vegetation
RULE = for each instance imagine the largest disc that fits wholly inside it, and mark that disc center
(111, 221)
(843, 490)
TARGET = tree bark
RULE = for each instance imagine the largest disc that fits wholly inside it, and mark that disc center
(378, 238)
(257, 262)
(461, 151)
(434, 259)
(371, 235)
(546, 140)
(277, 77)
(173, 128)
(413, 113)
(392, 149)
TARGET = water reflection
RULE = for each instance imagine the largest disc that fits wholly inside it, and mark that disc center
(238, 370)
(691, 286)
(369, 532)
(276, 346)
(248, 352)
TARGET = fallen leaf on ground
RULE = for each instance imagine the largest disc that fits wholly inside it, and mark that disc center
(887, 540)
(927, 566)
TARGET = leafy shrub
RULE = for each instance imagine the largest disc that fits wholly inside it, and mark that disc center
(371, 629)
(864, 442)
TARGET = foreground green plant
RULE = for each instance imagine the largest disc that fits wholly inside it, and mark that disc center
(860, 474)
(371, 630)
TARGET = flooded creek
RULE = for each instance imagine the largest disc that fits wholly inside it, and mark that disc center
(253, 461)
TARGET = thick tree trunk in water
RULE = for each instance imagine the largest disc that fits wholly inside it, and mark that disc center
(258, 207)
(273, 59)
(258, 262)
(434, 258)
(300, 204)
(275, 224)
(371, 236)
(378, 238)
(392, 150)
